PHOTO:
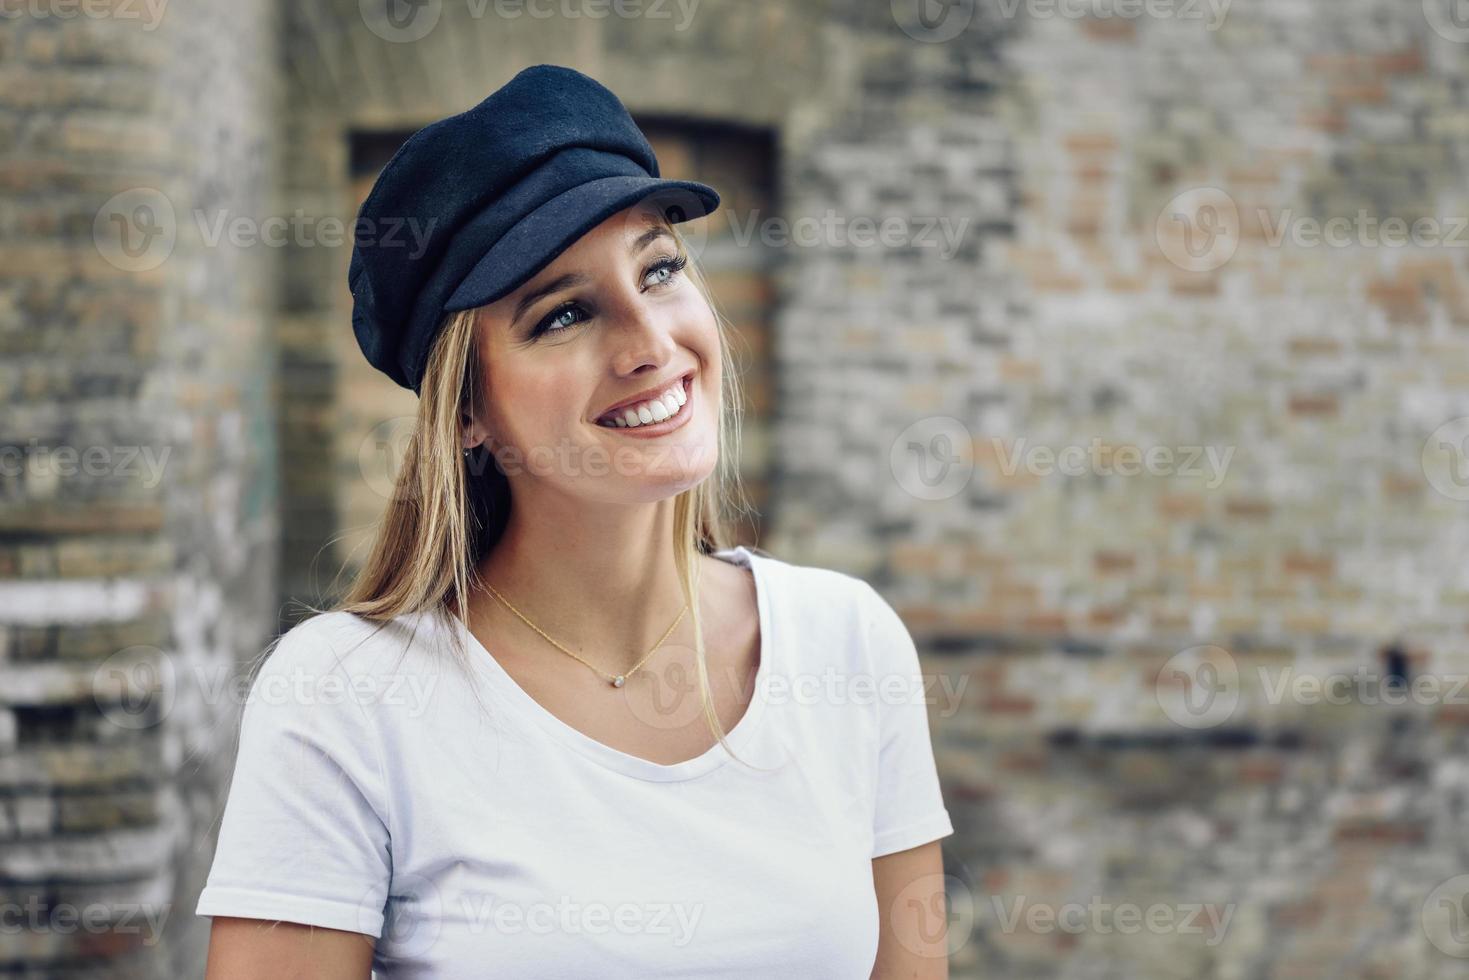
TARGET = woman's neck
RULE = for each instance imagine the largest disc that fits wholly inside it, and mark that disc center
(603, 583)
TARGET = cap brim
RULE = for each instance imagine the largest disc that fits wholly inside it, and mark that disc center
(534, 241)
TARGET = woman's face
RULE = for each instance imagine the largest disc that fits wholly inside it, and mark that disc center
(610, 319)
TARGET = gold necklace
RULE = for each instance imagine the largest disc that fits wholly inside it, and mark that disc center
(617, 680)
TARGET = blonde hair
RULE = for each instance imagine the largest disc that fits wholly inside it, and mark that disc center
(448, 510)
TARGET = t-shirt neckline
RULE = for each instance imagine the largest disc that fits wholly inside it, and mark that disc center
(738, 737)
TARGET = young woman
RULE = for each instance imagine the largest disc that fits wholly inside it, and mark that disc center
(559, 727)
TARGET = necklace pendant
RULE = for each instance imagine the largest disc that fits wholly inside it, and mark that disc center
(618, 680)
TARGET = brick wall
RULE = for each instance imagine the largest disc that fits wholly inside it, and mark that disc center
(1005, 254)
(1071, 616)
(137, 507)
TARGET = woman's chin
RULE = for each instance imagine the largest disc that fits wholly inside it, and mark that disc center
(662, 471)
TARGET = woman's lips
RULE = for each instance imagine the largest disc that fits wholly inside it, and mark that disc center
(670, 424)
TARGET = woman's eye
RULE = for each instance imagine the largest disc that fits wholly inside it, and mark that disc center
(562, 319)
(659, 274)
(666, 269)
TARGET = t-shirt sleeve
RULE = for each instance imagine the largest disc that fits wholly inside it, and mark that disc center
(909, 807)
(304, 834)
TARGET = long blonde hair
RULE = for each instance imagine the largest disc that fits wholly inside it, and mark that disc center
(448, 510)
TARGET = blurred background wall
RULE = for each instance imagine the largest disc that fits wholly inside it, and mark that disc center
(1121, 345)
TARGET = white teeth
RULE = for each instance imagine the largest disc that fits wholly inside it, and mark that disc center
(663, 407)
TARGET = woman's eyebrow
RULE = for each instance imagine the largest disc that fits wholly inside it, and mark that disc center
(555, 285)
(571, 279)
(652, 234)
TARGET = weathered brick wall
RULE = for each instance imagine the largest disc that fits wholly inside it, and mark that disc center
(1014, 253)
(137, 506)
(1052, 593)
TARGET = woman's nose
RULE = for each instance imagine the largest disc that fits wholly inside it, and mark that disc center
(640, 335)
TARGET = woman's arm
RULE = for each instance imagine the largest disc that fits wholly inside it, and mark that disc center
(912, 915)
(252, 949)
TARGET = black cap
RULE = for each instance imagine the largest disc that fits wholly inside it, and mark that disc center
(472, 206)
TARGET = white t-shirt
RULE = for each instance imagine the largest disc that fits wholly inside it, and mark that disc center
(372, 793)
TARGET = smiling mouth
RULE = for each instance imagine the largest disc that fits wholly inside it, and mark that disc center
(653, 413)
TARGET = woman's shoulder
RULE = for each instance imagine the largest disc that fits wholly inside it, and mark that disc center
(340, 642)
(789, 573)
(337, 667)
(828, 597)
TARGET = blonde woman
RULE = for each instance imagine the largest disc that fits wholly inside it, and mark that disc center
(559, 727)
